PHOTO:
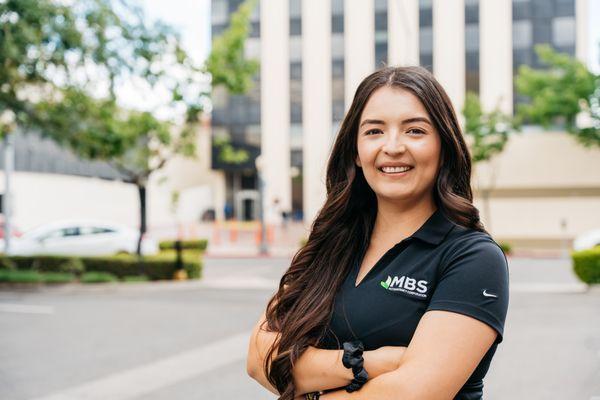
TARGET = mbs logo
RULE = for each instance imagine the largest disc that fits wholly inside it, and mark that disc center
(406, 284)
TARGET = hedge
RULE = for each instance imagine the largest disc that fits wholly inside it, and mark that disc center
(199, 244)
(586, 264)
(162, 266)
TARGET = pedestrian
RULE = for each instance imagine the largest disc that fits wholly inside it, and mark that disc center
(399, 291)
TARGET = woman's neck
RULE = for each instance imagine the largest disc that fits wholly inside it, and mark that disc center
(393, 223)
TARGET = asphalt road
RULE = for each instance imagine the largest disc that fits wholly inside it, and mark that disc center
(189, 340)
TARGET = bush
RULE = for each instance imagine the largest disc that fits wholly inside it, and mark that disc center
(506, 247)
(97, 277)
(20, 276)
(7, 264)
(586, 265)
(199, 244)
(57, 277)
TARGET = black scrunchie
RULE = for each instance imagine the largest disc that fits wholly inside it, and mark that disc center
(353, 358)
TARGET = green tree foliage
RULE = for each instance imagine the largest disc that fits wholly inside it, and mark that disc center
(227, 63)
(558, 93)
(489, 131)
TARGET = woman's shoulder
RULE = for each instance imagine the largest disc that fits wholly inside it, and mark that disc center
(463, 239)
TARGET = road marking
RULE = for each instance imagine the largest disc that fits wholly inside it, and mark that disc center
(142, 380)
(25, 308)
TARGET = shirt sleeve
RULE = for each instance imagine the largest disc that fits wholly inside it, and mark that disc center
(474, 282)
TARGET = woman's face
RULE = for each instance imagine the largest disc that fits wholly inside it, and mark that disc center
(395, 132)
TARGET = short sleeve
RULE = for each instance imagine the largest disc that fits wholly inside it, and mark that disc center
(474, 281)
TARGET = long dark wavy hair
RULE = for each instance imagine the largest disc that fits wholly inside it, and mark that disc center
(301, 307)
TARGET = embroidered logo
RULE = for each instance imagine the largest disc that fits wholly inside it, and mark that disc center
(488, 294)
(405, 284)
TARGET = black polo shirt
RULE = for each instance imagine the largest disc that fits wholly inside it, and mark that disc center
(442, 266)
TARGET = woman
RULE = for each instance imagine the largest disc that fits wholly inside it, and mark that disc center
(397, 262)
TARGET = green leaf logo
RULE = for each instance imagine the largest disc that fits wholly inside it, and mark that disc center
(386, 284)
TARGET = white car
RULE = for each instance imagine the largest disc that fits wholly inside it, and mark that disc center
(81, 238)
(587, 240)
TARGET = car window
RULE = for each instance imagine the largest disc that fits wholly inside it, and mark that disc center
(74, 231)
(101, 230)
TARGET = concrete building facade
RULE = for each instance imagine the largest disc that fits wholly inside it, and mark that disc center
(314, 53)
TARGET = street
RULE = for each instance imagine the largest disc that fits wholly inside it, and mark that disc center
(188, 340)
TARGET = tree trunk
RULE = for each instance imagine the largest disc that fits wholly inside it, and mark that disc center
(142, 195)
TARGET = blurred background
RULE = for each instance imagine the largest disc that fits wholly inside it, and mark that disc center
(161, 162)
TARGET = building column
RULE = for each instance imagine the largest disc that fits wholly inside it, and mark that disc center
(403, 32)
(582, 34)
(275, 102)
(449, 48)
(316, 103)
(359, 45)
(495, 55)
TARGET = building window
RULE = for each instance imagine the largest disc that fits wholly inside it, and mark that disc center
(563, 31)
(522, 34)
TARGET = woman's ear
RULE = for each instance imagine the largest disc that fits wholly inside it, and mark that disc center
(357, 162)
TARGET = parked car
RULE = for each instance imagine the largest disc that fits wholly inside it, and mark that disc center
(587, 240)
(82, 238)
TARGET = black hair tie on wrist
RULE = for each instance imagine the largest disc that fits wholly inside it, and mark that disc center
(353, 358)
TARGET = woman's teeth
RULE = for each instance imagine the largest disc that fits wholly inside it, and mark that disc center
(390, 170)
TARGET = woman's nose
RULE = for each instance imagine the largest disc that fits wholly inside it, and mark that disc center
(394, 145)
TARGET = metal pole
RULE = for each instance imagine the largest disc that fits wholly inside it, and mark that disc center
(9, 161)
(263, 234)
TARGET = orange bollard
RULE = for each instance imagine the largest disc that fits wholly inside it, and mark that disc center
(233, 233)
(216, 237)
(270, 234)
(257, 234)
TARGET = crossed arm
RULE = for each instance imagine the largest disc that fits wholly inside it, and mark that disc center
(444, 351)
(316, 369)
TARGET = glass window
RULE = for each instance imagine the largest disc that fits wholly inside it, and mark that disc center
(337, 69)
(542, 31)
(295, 27)
(426, 40)
(295, 48)
(563, 31)
(521, 9)
(219, 12)
(472, 37)
(253, 135)
(337, 6)
(381, 5)
(337, 23)
(296, 136)
(565, 8)
(522, 34)
(295, 8)
(337, 46)
(381, 22)
(252, 48)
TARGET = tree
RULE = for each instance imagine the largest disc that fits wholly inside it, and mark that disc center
(41, 45)
(135, 142)
(489, 133)
(229, 67)
(560, 94)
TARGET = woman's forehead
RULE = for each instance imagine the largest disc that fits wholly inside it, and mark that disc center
(390, 103)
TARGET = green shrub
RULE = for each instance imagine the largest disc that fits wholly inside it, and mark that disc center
(506, 247)
(586, 264)
(58, 277)
(97, 277)
(7, 264)
(20, 276)
(199, 244)
(72, 266)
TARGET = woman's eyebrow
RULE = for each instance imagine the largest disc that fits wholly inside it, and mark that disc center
(406, 121)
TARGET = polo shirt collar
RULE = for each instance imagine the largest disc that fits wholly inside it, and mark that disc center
(435, 229)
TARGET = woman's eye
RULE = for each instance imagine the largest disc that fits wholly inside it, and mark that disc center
(372, 131)
(416, 131)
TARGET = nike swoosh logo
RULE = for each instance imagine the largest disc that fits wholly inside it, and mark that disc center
(488, 294)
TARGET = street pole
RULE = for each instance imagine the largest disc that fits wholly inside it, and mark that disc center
(7, 125)
(263, 250)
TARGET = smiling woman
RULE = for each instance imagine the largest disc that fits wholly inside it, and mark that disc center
(399, 292)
